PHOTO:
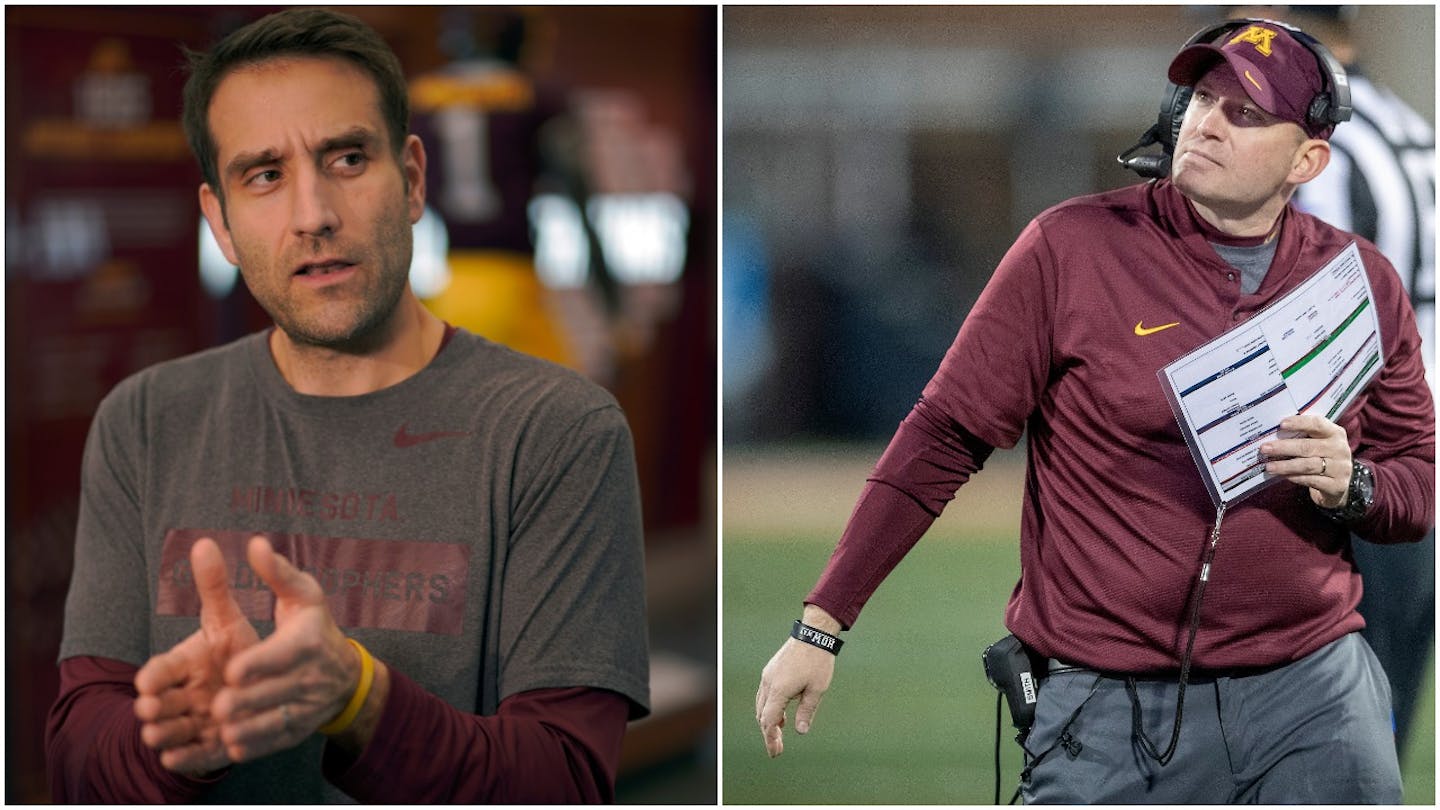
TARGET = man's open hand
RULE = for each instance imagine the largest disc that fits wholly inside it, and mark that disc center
(280, 691)
(176, 688)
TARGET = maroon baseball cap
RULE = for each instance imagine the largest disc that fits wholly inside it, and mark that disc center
(1278, 73)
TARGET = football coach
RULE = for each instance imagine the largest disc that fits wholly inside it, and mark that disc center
(1286, 703)
(439, 538)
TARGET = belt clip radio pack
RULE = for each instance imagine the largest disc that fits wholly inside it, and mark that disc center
(1016, 671)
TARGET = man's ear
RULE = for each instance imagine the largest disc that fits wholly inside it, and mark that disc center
(1311, 158)
(214, 212)
(412, 164)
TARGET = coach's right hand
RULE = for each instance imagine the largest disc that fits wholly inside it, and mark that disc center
(175, 688)
(797, 670)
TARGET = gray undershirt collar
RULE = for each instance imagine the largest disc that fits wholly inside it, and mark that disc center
(1251, 261)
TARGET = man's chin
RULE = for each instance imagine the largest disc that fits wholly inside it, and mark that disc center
(348, 325)
(355, 336)
(1190, 183)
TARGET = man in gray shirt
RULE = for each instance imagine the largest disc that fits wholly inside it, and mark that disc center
(438, 539)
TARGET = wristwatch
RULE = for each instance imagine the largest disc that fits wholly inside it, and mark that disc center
(1361, 495)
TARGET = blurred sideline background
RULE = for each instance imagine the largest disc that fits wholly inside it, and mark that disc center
(878, 163)
(571, 214)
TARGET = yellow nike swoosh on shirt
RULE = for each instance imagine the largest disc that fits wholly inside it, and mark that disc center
(1142, 330)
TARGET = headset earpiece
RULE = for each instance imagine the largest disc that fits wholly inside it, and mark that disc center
(1332, 106)
(1319, 113)
(1172, 114)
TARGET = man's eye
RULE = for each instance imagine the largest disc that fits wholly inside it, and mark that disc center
(264, 178)
(351, 160)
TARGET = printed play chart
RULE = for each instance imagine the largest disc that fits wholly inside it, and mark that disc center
(1310, 352)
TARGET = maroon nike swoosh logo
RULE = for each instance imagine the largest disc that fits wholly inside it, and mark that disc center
(405, 439)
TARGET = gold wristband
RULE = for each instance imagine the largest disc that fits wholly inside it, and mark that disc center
(362, 691)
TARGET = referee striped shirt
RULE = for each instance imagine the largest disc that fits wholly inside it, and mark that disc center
(1380, 184)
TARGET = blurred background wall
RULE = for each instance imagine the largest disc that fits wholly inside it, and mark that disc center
(608, 120)
(878, 162)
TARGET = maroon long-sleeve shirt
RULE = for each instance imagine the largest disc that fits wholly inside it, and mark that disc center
(1115, 513)
(543, 746)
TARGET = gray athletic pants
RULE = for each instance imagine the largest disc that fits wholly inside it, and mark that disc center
(1313, 731)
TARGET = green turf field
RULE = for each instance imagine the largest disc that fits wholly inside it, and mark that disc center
(909, 718)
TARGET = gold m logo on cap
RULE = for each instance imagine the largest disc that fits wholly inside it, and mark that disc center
(1257, 36)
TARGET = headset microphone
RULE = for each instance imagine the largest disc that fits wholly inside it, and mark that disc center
(1155, 166)
(1149, 166)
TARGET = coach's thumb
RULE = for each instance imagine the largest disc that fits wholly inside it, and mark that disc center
(805, 713)
(289, 583)
(212, 582)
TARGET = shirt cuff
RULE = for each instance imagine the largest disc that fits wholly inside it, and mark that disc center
(364, 775)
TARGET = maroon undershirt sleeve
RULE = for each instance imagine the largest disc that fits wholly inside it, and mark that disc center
(930, 456)
(92, 741)
(546, 746)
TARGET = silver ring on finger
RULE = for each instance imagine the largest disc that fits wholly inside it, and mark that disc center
(1324, 465)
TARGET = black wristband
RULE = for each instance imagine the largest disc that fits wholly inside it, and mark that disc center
(815, 638)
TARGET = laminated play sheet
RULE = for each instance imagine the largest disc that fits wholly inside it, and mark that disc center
(1309, 352)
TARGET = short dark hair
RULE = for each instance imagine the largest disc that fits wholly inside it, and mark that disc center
(306, 32)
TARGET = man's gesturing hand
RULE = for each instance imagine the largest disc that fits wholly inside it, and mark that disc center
(796, 670)
(1320, 459)
(280, 691)
(176, 688)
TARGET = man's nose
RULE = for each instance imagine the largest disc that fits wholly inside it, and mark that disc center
(313, 209)
(1213, 121)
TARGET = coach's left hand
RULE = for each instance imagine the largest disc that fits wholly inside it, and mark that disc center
(1320, 459)
(280, 691)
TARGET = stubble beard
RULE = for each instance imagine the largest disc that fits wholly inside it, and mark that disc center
(351, 327)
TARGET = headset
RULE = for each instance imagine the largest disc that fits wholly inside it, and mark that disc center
(1330, 107)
